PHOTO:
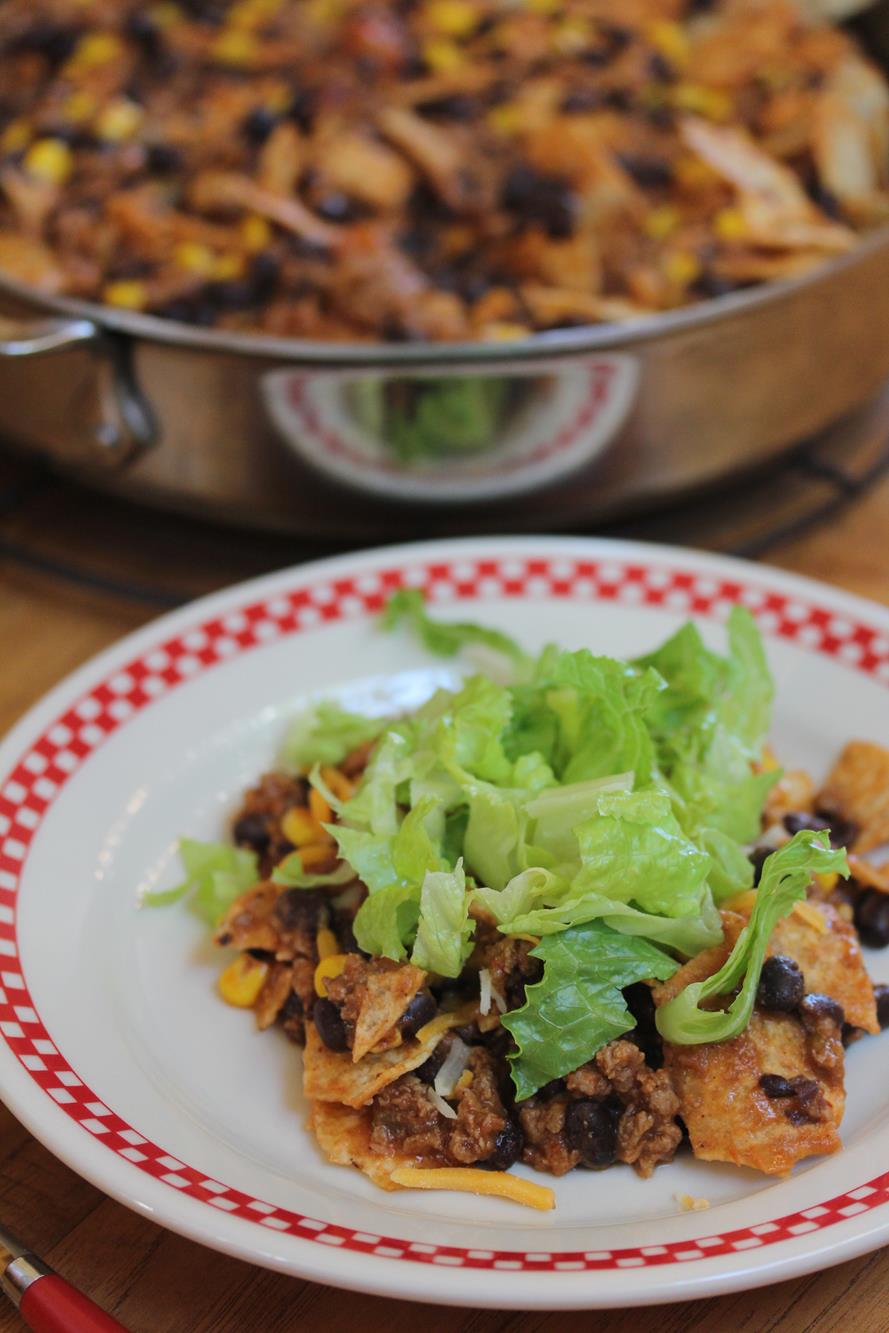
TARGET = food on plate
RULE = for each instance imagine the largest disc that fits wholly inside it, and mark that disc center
(443, 170)
(568, 913)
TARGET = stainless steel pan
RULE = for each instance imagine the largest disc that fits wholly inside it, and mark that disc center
(265, 431)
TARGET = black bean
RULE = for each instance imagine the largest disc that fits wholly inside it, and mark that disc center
(781, 985)
(421, 1010)
(265, 270)
(881, 995)
(795, 823)
(591, 1130)
(872, 918)
(757, 859)
(252, 831)
(297, 907)
(261, 955)
(640, 1003)
(163, 159)
(427, 1071)
(710, 284)
(338, 207)
(852, 1034)
(843, 831)
(302, 109)
(451, 106)
(815, 1005)
(647, 170)
(547, 201)
(551, 1089)
(329, 1023)
(258, 124)
(142, 29)
(774, 1085)
(508, 1147)
(231, 294)
(660, 68)
(49, 39)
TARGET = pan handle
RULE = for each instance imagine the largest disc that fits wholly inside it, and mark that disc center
(86, 408)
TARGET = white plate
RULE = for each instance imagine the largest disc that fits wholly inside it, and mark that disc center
(117, 1054)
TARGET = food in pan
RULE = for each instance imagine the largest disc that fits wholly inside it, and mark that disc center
(569, 920)
(436, 170)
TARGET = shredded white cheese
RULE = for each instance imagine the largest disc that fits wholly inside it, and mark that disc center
(484, 988)
(441, 1105)
(498, 998)
(455, 1062)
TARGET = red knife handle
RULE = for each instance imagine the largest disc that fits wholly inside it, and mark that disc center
(51, 1305)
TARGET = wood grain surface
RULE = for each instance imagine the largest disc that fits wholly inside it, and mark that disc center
(155, 1282)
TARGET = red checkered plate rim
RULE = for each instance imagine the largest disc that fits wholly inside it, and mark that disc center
(66, 730)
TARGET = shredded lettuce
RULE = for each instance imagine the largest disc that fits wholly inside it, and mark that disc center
(446, 638)
(291, 875)
(577, 1006)
(326, 733)
(215, 875)
(444, 930)
(785, 875)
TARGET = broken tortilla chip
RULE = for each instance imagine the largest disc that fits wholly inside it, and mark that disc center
(331, 1076)
(386, 996)
(858, 789)
(343, 1135)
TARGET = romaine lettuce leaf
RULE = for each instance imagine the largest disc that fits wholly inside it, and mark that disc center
(446, 638)
(326, 733)
(444, 930)
(785, 875)
(577, 1006)
(215, 875)
(386, 921)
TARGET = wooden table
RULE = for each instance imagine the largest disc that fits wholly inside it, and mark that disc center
(153, 1281)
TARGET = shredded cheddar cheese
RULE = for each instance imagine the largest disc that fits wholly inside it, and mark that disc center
(443, 1022)
(469, 1180)
(808, 912)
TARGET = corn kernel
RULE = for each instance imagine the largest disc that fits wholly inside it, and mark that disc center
(329, 967)
(730, 224)
(504, 331)
(319, 806)
(661, 222)
(194, 257)
(827, 883)
(128, 294)
(255, 233)
(338, 783)
(79, 106)
(97, 48)
(242, 980)
(300, 826)
(709, 102)
(441, 55)
(164, 15)
(327, 943)
(318, 857)
(119, 120)
(543, 6)
(681, 267)
(234, 46)
(454, 18)
(571, 35)
(670, 39)
(226, 267)
(692, 171)
(16, 136)
(464, 1081)
(49, 160)
(508, 118)
(769, 761)
(250, 13)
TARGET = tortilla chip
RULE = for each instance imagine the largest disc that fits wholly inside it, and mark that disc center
(343, 1134)
(386, 996)
(858, 789)
(869, 875)
(831, 962)
(331, 1076)
(793, 793)
(248, 922)
(729, 1117)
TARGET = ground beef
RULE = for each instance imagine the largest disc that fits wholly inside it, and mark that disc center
(257, 825)
(348, 989)
(480, 1113)
(403, 1120)
(823, 1019)
(511, 967)
(647, 1132)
